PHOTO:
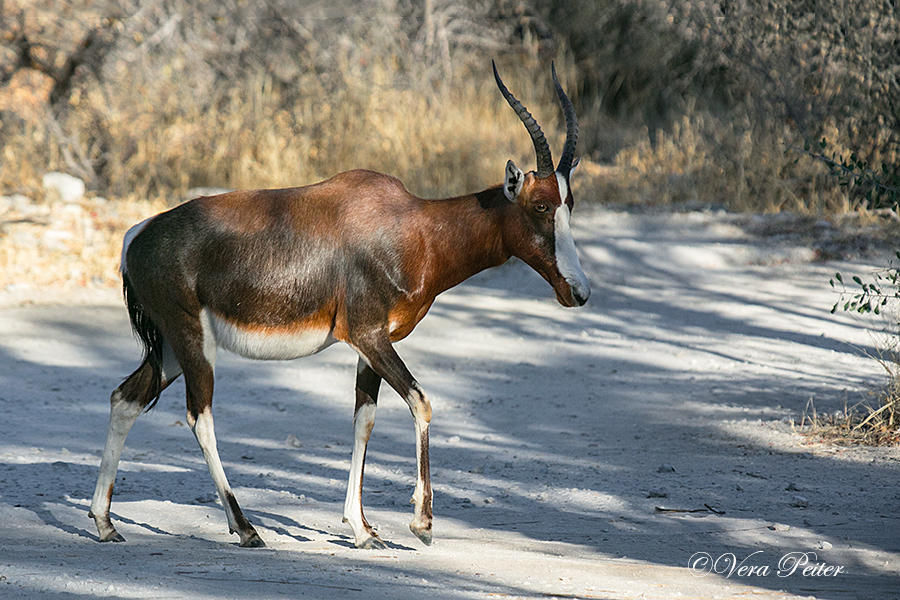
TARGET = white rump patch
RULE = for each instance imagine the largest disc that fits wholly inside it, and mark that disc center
(129, 237)
(566, 257)
(268, 345)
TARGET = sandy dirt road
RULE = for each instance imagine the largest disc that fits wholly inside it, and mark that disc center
(557, 435)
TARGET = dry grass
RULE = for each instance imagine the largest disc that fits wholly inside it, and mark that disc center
(437, 145)
(873, 421)
(858, 425)
(685, 104)
(704, 159)
(455, 142)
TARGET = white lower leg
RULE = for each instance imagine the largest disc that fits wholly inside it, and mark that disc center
(204, 431)
(122, 416)
(422, 493)
(363, 422)
(421, 523)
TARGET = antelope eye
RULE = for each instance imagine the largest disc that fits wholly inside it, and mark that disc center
(541, 208)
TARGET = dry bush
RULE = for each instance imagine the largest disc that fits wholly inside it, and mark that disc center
(875, 420)
(691, 100)
(738, 84)
(861, 424)
(267, 94)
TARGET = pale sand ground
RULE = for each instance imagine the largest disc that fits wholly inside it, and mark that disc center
(551, 427)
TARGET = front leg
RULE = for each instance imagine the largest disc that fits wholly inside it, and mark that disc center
(379, 354)
(367, 384)
(421, 411)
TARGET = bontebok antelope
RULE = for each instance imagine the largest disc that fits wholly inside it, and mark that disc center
(280, 274)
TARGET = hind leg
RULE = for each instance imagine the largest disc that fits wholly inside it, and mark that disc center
(198, 356)
(377, 351)
(367, 384)
(126, 404)
(202, 426)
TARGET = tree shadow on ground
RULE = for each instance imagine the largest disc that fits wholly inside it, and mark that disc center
(640, 380)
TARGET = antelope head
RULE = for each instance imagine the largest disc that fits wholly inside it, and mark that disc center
(539, 233)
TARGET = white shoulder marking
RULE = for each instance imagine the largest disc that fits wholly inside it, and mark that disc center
(129, 237)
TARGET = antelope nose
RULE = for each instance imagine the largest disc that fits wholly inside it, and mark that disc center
(580, 296)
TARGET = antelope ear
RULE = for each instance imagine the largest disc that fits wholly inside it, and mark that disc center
(512, 184)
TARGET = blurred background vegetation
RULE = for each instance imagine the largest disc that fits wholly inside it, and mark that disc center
(722, 102)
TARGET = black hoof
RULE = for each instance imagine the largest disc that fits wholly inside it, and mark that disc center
(373, 543)
(254, 541)
(422, 534)
(112, 536)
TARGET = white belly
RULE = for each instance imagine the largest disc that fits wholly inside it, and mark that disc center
(268, 344)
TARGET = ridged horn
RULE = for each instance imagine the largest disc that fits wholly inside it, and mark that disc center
(568, 154)
(541, 147)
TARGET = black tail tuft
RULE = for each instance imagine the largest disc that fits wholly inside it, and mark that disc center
(151, 338)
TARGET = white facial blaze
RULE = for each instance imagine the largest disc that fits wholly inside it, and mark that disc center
(566, 258)
(563, 186)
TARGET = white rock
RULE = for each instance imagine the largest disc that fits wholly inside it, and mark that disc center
(72, 210)
(799, 502)
(55, 239)
(68, 187)
(20, 204)
(14, 202)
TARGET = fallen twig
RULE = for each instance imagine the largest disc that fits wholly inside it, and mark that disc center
(706, 508)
